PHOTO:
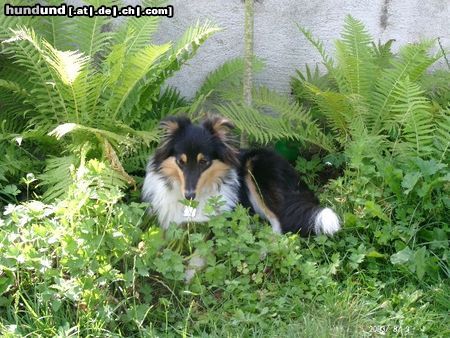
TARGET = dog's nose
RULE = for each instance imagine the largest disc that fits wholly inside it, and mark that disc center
(189, 195)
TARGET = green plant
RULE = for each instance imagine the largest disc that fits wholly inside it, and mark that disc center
(107, 93)
(90, 262)
(370, 91)
(86, 265)
(393, 132)
(271, 117)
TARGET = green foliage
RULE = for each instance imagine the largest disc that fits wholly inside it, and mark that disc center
(384, 123)
(79, 257)
(93, 97)
(272, 116)
(86, 265)
(390, 122)
(369, 89)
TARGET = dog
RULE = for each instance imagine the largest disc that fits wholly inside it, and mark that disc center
(198, 162)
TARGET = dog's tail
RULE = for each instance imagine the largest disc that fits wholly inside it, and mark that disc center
(326, 222)
(302, 213)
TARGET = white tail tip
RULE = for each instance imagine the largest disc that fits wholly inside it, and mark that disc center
(327, 222)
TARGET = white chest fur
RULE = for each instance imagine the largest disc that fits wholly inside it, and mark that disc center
(165, 199)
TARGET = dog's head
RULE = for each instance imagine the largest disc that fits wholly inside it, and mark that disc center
(195, 156)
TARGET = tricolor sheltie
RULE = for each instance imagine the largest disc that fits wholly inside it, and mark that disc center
(197, 162)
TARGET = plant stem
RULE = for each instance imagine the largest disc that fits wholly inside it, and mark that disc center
(443, 52)
(248, 60)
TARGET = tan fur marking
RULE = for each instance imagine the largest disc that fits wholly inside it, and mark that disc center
(170, 168)
(200, 157)
(183, 157)
(170, 126)
(212, 175)
(222, 126)
(254, 191)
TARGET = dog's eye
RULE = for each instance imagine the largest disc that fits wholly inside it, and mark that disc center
(203, 162)
(180, 162)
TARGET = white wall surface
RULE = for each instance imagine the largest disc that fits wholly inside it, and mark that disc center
(278, 41)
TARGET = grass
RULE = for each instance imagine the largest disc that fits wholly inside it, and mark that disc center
(88, 267)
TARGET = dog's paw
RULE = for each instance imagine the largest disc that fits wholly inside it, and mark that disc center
(196, 263)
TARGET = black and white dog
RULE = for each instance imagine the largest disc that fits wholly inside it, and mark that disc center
(197, 162)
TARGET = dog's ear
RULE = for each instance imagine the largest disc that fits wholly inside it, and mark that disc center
(219, 127)
(172, 124)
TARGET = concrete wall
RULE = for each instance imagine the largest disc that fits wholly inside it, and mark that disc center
(281, 45)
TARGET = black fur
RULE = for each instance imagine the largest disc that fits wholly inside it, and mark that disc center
(277, 183)
(191, 139)
(281, 189)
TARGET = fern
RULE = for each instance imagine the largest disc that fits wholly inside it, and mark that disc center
(442, 135)
(28, 51)
(91, 35)
(326, 59)
(354, 74)
(79, 79)
(11, 22)
(57, 176)
(312, 77)
(335, 107)
(141, 63)
(180, 53)
(227, 75)
(412, 62)
(165, 104)
(272, 116)
(413, 120)
(302, 126)
(143, 28)
(377, 96)
(437, 87)
(262, 128)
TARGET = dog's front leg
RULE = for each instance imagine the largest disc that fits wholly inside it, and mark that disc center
(196, 264)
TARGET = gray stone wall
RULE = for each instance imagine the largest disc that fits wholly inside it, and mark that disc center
(278, 41)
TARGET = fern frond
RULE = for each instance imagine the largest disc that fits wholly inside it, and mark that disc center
(437, 87)
(142, 28)
(57, 176)
(14, 88)
(302, 125)
(229, 72)
(356, 63)
(150, 86)
(47, 101)
(68, 65)
(67, 128)
(262, 128)
(326, 59)
(363, 145)
(180, 53)
(90, 35)
(309, 76)
(52, 71)
(13, 22)
(137, 69)
(165, 104)
(442, 135)
(55, 29)
(411, 120)
(412, 63)
(336, 108)
(382, 53)
(136, 159)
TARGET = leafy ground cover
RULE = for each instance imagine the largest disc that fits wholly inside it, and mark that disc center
(79, 256)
